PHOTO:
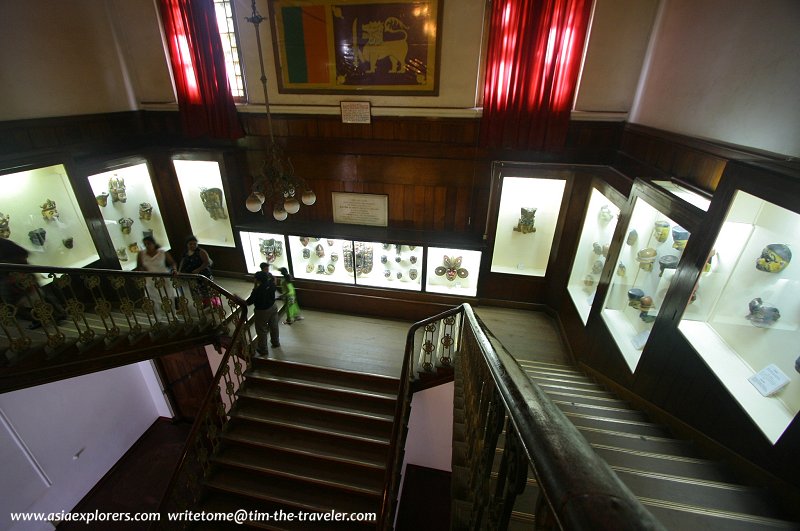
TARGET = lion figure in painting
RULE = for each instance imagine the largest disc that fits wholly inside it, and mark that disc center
(377, 48)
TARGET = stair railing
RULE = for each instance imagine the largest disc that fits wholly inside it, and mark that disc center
(577, 489)
(61, 322)
(185, 488)
(438, 340)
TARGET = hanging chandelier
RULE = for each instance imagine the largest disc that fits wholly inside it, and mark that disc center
(276, 186)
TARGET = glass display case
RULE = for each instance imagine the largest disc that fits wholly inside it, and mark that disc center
(598, 230)
(526, 225)
(130, 210)
(204, 196)
(395, 265)
(261, 247)
(327, 260)
(39, 212)
(651, 249)
(452, 271)
(743, 317)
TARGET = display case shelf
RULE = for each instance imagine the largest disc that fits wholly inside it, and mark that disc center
(526, 224)
(204, 197)
(599, 224)
(127, 193)
(642, 272)
(745, 315)
(56, 236)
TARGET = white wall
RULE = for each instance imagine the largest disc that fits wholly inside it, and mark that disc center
(430, 428)
(59, 58)
(96, 417)
(615, 52)
(727, 70)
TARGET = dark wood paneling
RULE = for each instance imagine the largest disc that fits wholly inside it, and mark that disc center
(187, 377)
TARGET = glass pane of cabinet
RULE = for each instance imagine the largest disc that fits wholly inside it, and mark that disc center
(394, 265)
(743, 317)
(526, 225)
(646, 264)
(453, 271)
(259, 247)
(203, 194)
(130, 211)
(38, 211)
(598, 230)
(326, 260)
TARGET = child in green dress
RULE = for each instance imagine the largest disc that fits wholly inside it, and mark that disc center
(292, 308)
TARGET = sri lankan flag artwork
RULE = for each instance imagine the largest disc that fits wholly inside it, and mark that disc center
(356, 46)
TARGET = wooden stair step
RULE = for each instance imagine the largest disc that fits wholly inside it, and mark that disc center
(674, 516)
(375, 431)
(315, 472)
(304, 441)
(313, 373)
(589, 399)
(608, 436)
(563, 381)
(365, 401)
(711, 495)
(346, 387)
(299, 398)
(605, 411)
(603, 421)
(285, 491)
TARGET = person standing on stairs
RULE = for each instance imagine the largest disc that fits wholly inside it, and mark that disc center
(266, 311)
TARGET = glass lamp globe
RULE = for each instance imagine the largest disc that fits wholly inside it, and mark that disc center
(253, 203)
(279, 213)
(292, 205)
(309, 197)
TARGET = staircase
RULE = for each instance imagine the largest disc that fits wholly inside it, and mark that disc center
(682, 489)
(303, 438)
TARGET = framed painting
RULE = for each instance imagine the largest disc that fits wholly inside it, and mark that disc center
(357, 46)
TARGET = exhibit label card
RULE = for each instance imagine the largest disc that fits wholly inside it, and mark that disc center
(769, 380)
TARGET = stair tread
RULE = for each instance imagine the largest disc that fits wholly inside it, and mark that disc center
(310, 442)
(604, 411)
(287, 492)
(325, 424)
(266, 376)
(681, 517)
(710, 495)
(366, 381)
(305, 470)
(293, 398)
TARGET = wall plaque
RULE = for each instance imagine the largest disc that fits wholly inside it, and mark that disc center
(360, 209)
(355, 112)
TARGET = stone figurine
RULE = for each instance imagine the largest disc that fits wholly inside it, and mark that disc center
(527, 219)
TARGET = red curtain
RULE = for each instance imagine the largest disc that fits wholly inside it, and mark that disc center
(198, 64)
(533, 59)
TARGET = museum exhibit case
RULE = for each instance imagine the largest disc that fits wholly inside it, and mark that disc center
(40, 212)
(653, 236)
(526, 222)
(743, 317)
(452, 271)
(326, 259)
(394, 265)
(259, 247)
(599, 224)
(130, 210)
(204, 197)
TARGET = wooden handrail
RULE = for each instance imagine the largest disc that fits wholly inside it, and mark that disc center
(581, 490)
